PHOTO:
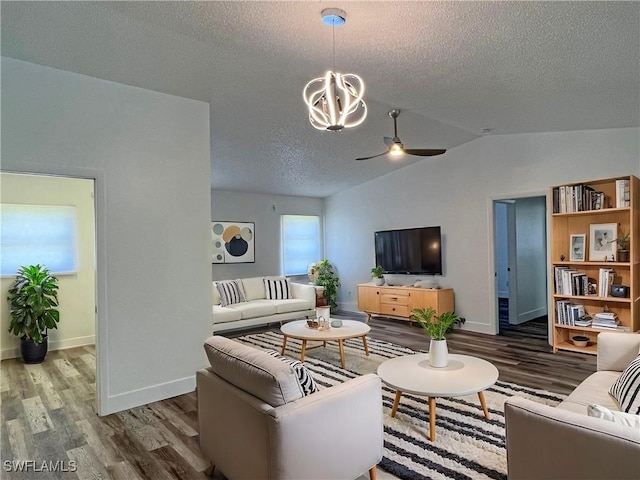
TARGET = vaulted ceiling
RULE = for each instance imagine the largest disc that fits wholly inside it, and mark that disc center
(455, 69)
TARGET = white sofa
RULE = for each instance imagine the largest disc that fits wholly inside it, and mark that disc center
(563, 442)
(257, 310)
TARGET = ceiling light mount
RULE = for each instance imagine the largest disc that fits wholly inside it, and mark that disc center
(335, 100)
(334, 17)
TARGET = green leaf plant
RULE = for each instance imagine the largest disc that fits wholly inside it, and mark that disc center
(436, 326)
(326, 277)
(623, 240)
(377, 272)
(33, 298)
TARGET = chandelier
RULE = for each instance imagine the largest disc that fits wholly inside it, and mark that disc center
(335, 100)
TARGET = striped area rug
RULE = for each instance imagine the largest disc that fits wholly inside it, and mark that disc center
(467, 445)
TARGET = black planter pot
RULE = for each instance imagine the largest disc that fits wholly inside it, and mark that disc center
(34, 352)
(623, 255)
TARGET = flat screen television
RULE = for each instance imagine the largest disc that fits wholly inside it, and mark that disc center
(410, 250)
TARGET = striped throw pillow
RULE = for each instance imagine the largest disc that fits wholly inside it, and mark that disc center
(626, 389)
(306, 381)
(230, 292)
(277, 288)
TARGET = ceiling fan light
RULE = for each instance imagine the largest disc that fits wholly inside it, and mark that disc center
(396, 150)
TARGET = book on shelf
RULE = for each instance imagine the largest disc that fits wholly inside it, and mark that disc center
(571, 282)
(568, 313)
(561, 316)
(622, 193)
(619, 328)
(576, 198)
(584, 321)
(606, 326)
(576, 312)
(605, 320)
(606, 279)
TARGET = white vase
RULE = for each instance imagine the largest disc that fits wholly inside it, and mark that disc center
(323, 313)
(378, 281)
(438, 353)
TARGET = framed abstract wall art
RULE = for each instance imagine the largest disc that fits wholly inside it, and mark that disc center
(233, 242)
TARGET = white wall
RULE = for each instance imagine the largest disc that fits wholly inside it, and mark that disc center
(76, 292)
(149, 154)
(264, 210)
(456, 191)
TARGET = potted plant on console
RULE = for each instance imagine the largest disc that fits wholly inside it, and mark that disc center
(324, 276)
(33, 298)
(377, 273)
(436, 326)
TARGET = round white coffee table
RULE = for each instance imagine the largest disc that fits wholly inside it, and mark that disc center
(349, 329)
(463, 375)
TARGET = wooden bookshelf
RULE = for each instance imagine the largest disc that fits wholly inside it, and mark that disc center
(565, 224)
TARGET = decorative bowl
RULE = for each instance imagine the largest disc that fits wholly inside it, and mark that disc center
(580, 340)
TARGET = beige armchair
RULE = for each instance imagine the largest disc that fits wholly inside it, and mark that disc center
(255, 422)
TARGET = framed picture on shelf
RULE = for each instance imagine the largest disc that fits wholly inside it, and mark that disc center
(602, 242)
(576, 254)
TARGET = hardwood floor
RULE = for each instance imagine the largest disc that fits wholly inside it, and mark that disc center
(47, 409)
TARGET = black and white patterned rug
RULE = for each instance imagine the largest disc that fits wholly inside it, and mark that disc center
(467, 445)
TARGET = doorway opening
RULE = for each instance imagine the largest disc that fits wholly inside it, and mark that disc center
(520, 256)
(71, 346)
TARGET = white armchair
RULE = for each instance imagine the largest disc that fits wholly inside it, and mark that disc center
(255, 422)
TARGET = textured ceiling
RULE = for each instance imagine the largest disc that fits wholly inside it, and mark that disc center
(454, 68)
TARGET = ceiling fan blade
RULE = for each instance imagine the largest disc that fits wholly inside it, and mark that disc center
(373, 156)
(388, 141)
(423, 152)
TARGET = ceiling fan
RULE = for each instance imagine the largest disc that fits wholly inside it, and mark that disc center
(396, 147)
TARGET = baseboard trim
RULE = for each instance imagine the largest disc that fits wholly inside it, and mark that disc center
(8, 353)
(14, 352)
(153, 393)
(72, 342)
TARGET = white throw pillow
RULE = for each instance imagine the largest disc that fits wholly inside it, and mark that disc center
(620, 418)
(626, 389)
(253, 288)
